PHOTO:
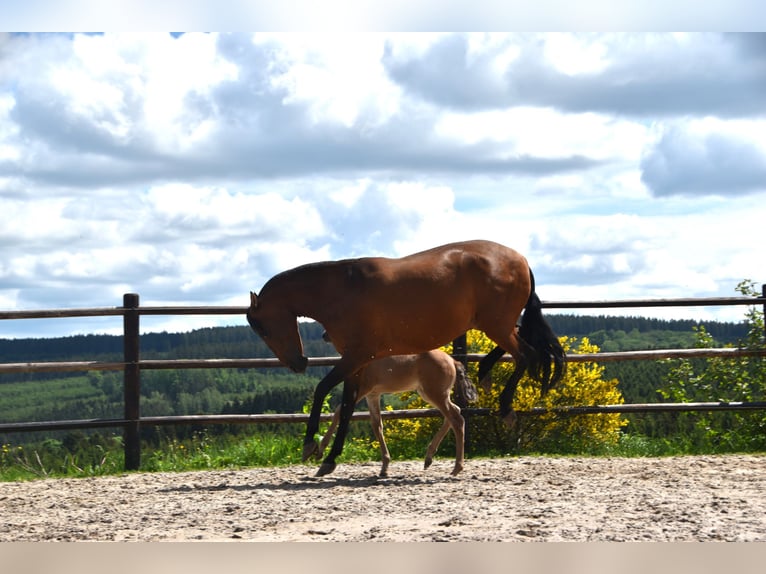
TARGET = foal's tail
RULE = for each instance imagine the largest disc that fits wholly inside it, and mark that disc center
(537, 333)
(465, 391)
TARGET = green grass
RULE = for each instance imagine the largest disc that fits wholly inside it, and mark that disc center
(49, 459)
(263, 450)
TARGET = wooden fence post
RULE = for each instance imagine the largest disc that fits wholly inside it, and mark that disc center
(131, 348)
(763, 294)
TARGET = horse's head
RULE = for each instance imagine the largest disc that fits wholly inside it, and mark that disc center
(279, 330)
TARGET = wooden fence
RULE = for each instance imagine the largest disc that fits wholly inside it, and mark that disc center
(132, 365)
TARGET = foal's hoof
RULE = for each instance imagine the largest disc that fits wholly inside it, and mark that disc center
(326, 468)
(309, 449)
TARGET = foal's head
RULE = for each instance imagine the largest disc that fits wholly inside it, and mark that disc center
(279, 330)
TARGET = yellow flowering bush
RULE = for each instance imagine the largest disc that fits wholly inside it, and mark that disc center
(583, 385)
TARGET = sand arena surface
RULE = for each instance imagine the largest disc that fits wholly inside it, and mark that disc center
(692, 498)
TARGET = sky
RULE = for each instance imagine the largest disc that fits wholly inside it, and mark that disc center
(190, 168)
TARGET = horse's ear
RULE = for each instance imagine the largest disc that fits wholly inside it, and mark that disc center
(253, 300)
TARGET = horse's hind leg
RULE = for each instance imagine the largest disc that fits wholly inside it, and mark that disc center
(506, 396)
(519, 349)
(485, 366)
(346, 410)
(509, 391)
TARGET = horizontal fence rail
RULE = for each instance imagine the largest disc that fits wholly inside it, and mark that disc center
(681, 302)
(237, 310)
(132, 366)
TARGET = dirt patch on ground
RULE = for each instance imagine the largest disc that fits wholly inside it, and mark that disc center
(694, 498)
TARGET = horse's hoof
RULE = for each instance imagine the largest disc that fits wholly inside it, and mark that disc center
(427, 463)
(326, 468)
(309, 449)
(383, 474)
(456, 470)
(486, 383)
(510, 419)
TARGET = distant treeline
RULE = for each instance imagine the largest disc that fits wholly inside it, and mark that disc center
(209, 342)
(241, 342)
(576, 325)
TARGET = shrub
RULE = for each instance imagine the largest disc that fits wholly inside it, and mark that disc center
(723, 380)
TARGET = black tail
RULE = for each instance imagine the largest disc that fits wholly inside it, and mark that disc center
(537, 333)
(465, 391)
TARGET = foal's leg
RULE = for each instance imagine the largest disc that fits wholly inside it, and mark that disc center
(435, 388)
(376, 421)
(346, 410)
(433, 446)
(328, 435)
(452, 419)
(334, 425)
(330, 380)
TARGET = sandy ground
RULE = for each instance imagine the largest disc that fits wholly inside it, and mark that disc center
(700, 498)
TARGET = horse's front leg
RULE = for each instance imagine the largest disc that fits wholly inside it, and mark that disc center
(350, 393)
(331, 380)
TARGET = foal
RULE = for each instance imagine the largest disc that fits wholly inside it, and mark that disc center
(432, 375)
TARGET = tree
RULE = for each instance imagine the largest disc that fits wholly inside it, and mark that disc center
(723, 380)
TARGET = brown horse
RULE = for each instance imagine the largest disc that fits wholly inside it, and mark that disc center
(375, 307)
(432, 375)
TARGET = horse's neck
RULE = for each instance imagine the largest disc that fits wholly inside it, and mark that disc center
(309, 290)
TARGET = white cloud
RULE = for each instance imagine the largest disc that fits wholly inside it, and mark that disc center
(181, 207)
(8, 152)
(547, 133)
(367, 218)
(339, 77)
(574, 54)
(635, 75)
(708, 156)
(348, 195)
